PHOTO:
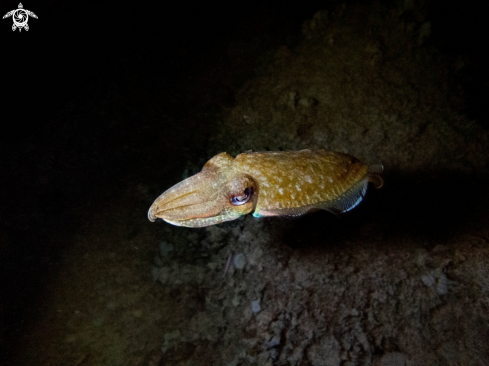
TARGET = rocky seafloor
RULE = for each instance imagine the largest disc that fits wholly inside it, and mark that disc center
(404, 281)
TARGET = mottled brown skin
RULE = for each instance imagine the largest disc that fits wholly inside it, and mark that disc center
(288, 183)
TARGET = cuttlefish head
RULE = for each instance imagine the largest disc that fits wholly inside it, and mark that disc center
(218, 193)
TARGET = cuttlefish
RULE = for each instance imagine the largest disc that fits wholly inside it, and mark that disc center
(283, 183)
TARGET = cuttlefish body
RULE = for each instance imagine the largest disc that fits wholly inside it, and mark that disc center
(285, 183)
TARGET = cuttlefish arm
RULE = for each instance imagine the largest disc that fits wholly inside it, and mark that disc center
(289, 183)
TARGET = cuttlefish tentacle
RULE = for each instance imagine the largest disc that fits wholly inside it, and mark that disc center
(374, 175)
(288, 183)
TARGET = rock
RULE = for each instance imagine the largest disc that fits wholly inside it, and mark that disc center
(165, 275)
(325, 353)
(428, 279)
(393, 359)
(424, 32)
(155, 273)
(441, 283)
(273, 342)
(165, 248)
(158, 261)
(438, 278)
(255, 306)
(239, 261)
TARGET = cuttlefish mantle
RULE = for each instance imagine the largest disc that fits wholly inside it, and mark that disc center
(284, 183)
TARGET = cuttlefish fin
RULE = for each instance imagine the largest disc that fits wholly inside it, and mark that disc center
(349, 200)
(345, 203)
(354, 196)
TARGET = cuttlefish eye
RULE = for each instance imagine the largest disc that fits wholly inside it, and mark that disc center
(242, 198)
